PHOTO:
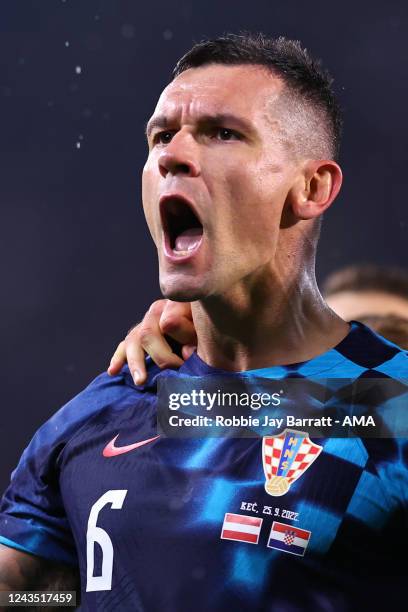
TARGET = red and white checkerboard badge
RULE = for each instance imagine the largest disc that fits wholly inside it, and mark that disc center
(286, 457)
(241, 528)
(289, 539)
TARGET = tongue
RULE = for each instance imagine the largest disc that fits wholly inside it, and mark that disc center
(189, 239)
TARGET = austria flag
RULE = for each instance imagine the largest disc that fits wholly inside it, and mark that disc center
(241, 528)
(289, 539)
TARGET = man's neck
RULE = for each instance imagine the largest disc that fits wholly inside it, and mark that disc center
(265, 326)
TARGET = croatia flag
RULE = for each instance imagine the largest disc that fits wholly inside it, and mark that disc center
(241, 528)
(289, 539)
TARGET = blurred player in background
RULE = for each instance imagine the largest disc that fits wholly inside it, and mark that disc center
(375, 295)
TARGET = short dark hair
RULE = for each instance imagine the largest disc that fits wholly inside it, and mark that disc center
(305, 79)
(368, 277)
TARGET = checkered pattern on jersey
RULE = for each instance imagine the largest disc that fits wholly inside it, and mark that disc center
(350, 463)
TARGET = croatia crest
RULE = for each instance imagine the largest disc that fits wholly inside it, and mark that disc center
(286, 457)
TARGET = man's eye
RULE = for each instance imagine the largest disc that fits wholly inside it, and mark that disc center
(163, 137)
(226, 134)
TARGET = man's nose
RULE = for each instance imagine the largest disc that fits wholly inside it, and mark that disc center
(179, 157)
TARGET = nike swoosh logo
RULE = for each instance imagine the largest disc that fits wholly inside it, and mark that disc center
(111, 450)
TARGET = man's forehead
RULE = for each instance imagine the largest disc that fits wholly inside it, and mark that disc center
(218, 89)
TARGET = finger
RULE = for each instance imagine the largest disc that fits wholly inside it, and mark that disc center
(181, 309)
(181, 329)
(118, 359)
(176, 322)
(152, 337)
(188, 350)
(155, 345)
(133, 345)
(156, 308)
(135, 356)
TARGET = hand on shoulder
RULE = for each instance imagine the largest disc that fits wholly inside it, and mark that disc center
(164, 318)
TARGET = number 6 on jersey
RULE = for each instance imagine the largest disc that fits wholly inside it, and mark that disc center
(96, 534)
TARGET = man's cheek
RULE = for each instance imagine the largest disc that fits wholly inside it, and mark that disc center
(150, 177)
(148, 209)
(151, 225)
(150, 201)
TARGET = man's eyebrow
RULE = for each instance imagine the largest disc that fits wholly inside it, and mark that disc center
(218, 119)
(160, 121)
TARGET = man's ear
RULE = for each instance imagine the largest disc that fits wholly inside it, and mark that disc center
(315, 189)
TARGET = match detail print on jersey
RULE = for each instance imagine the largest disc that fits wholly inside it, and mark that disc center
(285, 458)
(111, 450)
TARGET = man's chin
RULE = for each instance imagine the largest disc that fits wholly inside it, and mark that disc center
(182, 296)
(182, 291)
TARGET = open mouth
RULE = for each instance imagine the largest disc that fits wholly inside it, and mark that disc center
(182, 227)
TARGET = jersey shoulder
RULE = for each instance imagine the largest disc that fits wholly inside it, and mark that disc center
(387, 362)
(104, 392)
(32, 511)
(372, 354)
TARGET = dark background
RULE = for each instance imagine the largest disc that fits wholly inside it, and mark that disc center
(78, 80)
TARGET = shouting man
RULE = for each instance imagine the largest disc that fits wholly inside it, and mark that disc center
(242, 164)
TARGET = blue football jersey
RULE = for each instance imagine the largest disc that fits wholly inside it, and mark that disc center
(182, 525)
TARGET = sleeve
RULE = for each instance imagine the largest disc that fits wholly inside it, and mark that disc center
(32, 513)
